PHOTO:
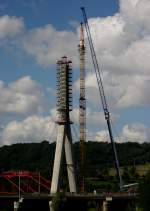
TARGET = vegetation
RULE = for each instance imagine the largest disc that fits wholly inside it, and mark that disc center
(144, 199)
(100, 174)
(58, 201)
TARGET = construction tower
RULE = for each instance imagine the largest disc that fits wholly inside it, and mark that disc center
(82, 109)
(64, 136)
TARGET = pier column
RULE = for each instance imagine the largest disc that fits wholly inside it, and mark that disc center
(16, 205)
(106, 202)
(64, 136)
(105, 206)
(51, 206)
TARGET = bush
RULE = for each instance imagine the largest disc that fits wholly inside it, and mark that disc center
(144, 197)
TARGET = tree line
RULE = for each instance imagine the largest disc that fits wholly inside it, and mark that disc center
(99, 156)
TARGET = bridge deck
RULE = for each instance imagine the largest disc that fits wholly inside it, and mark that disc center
(119, 195)
(80, 202)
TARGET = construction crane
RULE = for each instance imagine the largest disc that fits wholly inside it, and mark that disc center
(102, 95)
(82, 110)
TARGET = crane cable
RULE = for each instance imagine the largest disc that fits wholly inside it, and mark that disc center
(102, 95)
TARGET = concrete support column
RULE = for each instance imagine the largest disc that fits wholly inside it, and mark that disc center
(70, 166)
(64, 141)
(16, 205)
(51, 206)
(105, 206)
(57, 159)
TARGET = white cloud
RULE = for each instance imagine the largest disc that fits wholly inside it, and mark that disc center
(92, 94)
(107, 34)
(10, 27)
(135, 91)
(93, 118)
(102, 136)
(122, 44)
(20, 97)
(122, 90)
(122, 41)
(48, 45)
(126, 90)
(136, 15)
(54, 114)
(33, 128)
(25, 85)
(135, 132)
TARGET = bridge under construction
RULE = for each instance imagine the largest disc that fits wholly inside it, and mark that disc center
(80, 202)
(30, 191)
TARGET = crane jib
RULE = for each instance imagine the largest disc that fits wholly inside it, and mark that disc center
(102, 95)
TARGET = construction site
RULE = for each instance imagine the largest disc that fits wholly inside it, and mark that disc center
(30, 191)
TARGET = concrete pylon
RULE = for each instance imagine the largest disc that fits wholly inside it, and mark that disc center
(64, 137)
(16, 205)
(105, 206)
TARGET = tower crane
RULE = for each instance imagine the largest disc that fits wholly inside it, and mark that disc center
(82, 109)
(102, 95)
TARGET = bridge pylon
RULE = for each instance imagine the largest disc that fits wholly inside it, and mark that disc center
(64, 136)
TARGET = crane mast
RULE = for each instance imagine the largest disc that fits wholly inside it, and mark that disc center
(102, 95)
(82, 109)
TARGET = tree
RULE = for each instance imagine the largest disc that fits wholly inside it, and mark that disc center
(58, 201)
(144, 198)
(126, 174)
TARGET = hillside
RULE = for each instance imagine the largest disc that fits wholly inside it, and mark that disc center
(39, 157)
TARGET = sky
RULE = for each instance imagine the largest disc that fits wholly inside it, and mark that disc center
(34, 34)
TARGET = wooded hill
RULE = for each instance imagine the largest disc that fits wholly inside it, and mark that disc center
(99, 157)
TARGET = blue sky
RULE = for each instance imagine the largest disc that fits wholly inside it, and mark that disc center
(38, 13)
(35, 33)
(58, 13)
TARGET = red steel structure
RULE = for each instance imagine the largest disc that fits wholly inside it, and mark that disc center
(24, 182)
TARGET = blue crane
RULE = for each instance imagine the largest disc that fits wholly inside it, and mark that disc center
(102, 95)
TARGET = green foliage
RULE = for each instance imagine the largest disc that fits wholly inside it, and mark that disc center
(31, 157)
(130, 208)
(99, 160)
(144, 199)
(126, 174)
(130, 174)
(92, 206)
(101, 186)
(58, 201)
